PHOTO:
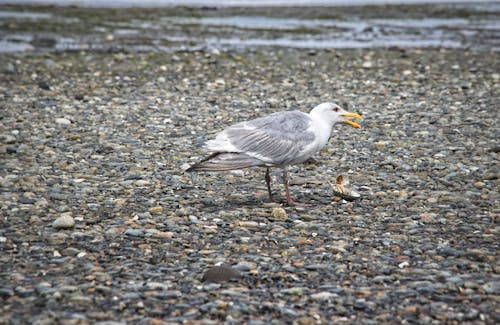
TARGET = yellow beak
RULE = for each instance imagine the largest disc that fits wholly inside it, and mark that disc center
(351, 123)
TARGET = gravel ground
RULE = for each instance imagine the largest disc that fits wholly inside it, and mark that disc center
(99, 224)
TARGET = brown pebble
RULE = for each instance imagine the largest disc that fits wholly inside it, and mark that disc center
(156, 210)
(279, 214)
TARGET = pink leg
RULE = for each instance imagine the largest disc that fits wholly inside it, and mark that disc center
(289, 200)
(268, 183)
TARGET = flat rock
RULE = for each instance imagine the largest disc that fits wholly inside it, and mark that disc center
(220, 274)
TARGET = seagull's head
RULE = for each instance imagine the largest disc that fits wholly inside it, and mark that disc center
(335, 114)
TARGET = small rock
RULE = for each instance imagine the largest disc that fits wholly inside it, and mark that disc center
(6, 292)
(11, 68)
(279, 214)
(220, 82)
(248, 224)
(79, 97)
(7, 138)
(367, 64)
(324, 295)
(23, 149)
(156, 210)
(57, 238)
(193, 219)
(404, 264)
(50, 64)
(244, 266)
(479, 184)
(141, 182)
(63, 121)
(64, 221)
(295, 291)
(80, 300)
(44, 85)
(409, 310)
(134, 232)
(119, 201)
(220, 274)
(317, 266)
(427, 217)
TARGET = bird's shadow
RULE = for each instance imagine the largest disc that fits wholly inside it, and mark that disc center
(227, 200)
(251, 192)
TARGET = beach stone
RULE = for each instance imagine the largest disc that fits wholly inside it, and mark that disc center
(367, 64)
(156, 210)
(220, 274)
(65, 221)
(6, 292)
(279, 214)
(7, 138)
(248, 224)
(134, 232)
(57, 238)
(63, 121)
(324, 295)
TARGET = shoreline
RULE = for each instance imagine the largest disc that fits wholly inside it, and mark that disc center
(59, 29)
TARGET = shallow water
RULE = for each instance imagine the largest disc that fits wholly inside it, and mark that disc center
(356, 33)
(470, 26)
(225, 3)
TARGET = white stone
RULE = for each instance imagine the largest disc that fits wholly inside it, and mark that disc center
(367, 64)
(324, 295)
(64, 221)
(63, 121)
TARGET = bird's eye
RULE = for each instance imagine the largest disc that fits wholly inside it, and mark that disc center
(335, 109)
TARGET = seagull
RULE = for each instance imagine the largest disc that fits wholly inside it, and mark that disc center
(276, 140)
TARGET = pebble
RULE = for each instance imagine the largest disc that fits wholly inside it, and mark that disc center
(248, 224)
(6, 293)
(156, 210)
(7, 138)
(367, 64)
(134, 232)
(65, 221)
(324, 295)
(63, 121)
(220, 274)
(57, 238)
(81, 300)
(11, 68)
(141, 182)
(279, 214)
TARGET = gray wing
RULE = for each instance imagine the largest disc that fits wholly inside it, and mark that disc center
(276, 139)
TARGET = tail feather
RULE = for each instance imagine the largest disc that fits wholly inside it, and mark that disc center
(221, 161)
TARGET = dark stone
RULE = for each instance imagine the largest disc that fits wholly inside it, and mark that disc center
(220, 274)
(43, 85)
(6, 292)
